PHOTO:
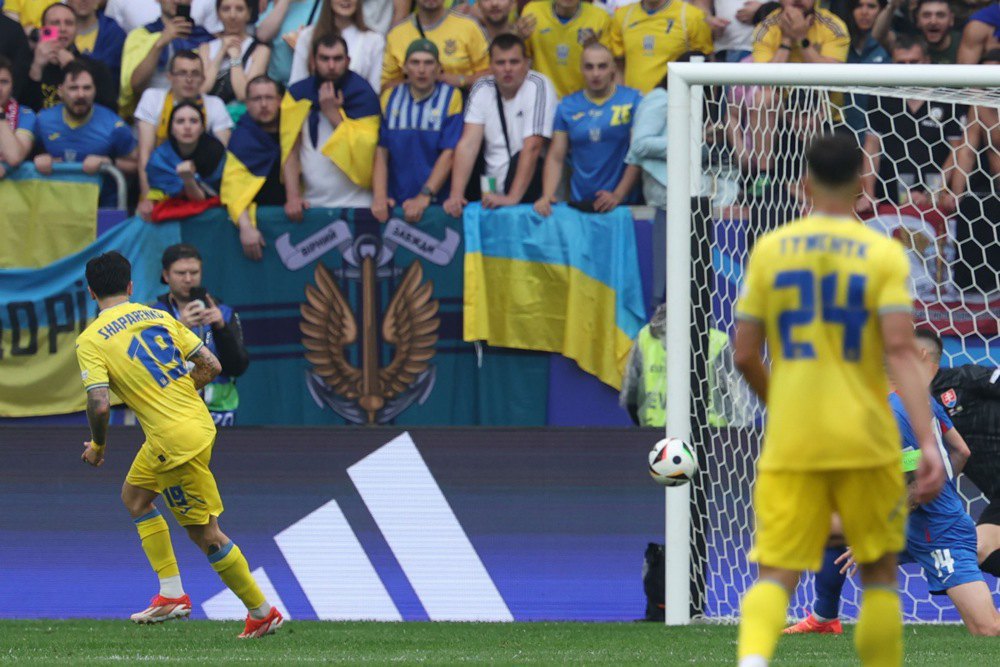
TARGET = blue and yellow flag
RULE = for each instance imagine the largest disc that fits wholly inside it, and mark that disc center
(352, 145)
(46, 309)
(568, 283)
(45, 218)
(251, 155)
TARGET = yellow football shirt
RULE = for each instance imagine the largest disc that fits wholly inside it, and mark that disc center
(556, 47)
(649, 41)
(819, 286)
(461, 43)
(828, 35)
(85, 42)
(29, 12)
(140, 353)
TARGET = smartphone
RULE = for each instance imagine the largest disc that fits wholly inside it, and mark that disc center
(184, 11)
(199, 294)
(49, 33)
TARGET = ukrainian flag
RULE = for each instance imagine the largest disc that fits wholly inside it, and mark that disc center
(568, 283)
(251, 156)
(352, 145)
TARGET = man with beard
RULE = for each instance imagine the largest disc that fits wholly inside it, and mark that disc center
(934, 20)
(80, 131)
(45, 75)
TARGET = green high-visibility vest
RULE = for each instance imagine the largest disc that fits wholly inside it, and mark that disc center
(653, 406)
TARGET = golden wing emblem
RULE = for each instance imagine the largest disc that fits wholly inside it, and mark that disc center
(328, 326)
(411, 325)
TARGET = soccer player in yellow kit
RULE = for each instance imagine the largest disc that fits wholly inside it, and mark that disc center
(142, 355)
(830, 297)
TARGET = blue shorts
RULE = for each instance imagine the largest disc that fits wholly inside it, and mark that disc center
(949, 561)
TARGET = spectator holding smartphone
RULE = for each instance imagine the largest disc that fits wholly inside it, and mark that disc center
(214, 322)
(235, 56)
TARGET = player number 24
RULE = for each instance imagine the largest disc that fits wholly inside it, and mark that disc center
(852, 316)
(157, 352)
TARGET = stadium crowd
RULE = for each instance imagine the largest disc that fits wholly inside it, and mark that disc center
(384, 103)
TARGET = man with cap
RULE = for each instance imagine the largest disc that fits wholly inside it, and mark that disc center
(421, 125)
(214, 322)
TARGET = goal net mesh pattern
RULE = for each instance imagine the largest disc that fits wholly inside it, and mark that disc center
(932, 184)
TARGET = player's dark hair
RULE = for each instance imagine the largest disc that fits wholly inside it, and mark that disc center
(834, 160)
(262, 79)
(329, 41)
(507, 41)
(905, 42)
(932, 337)
(75, 68)
(184, 54)
(109, 274)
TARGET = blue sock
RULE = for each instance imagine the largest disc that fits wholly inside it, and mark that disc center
(829, 582)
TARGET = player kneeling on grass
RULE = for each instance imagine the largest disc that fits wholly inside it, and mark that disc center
(142, 355)
(940, 536)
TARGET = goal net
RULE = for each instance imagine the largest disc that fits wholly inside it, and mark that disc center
(735, 172)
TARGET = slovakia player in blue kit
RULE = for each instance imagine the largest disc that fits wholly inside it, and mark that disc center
(940, 535)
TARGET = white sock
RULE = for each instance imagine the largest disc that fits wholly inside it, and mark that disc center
(821, 619)
(170, 587)
(753, 661)
(261, 612)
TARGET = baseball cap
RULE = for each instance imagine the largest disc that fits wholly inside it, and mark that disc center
(422, 46)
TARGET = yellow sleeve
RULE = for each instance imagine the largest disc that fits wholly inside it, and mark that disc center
(384, 99)
(93, 369)
(606, 27)
(752, 304)
(766, 40)
(186, 341)
(479, 49)
(529, 10)
(836, 47)
(616, 39)
(895, 295)
(701, 34)
(392, 63)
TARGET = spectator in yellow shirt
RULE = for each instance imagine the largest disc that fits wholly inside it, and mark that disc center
(798, 32)
(556, 32)
(461, 41)
(27, 12)
(649, 34)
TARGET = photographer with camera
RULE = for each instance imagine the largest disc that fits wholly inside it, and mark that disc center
(215, 323)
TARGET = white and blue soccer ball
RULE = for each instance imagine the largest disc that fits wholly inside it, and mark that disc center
(672, 462)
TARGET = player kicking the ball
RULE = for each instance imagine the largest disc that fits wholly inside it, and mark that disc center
(141, 354)
(940, 536)
(830, 297)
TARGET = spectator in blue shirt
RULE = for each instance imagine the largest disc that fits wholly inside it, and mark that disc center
(80, 131)
(421, 125)
(593, 125)
(864, 49)
(97, 35)
(17, 122)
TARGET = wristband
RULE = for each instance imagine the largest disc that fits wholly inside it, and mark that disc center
(235, 62)
(911, 460)
(426, 191)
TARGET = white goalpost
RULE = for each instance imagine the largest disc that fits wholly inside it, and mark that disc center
(717, 206)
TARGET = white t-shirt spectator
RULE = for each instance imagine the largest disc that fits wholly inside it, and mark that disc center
(132, 14)
(530, 113)
(326, 185)
(366, 49)
(151, 106)
(737, 36)
(378, 15)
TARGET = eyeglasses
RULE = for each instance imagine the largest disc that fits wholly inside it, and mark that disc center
(191, 75)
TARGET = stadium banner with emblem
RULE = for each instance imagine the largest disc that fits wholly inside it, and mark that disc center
(43, 310)
(45, 218)
(350, 321)
(569, 283)
(343, 523)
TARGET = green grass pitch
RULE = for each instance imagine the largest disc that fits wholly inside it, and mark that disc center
(303, 643)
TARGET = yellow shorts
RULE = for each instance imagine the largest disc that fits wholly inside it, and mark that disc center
(189, 489)
(794, 508)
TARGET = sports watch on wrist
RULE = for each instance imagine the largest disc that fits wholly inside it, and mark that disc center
(426, 191)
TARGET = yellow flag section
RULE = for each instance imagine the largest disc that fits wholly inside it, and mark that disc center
(43, 219)
(568, 283)
(352, 144)
(43, 310)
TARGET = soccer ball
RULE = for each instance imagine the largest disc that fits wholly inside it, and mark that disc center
(672, 462)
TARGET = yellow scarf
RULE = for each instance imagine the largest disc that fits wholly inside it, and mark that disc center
(163, 128)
